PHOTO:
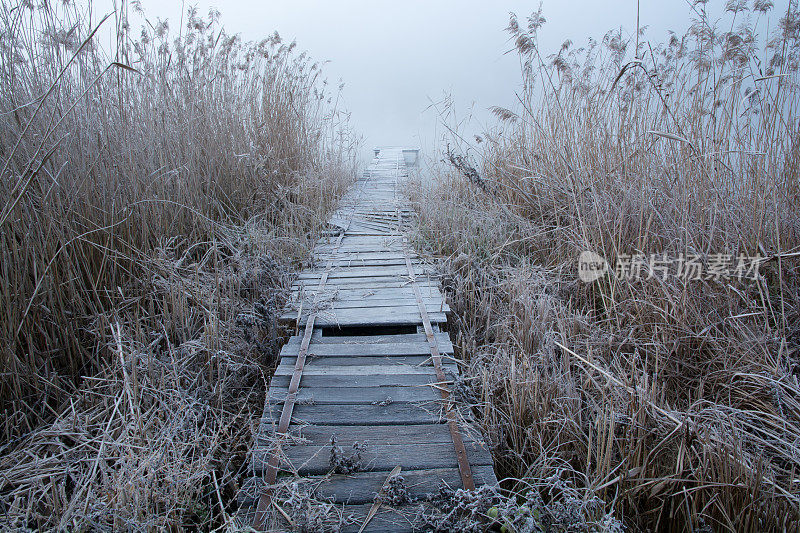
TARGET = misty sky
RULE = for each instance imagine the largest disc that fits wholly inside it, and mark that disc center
(396, 58)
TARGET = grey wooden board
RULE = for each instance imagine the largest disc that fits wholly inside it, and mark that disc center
(400, 291)
(374, 228)
(432, 304)
(387, 519)
(367, 281)
(382, 316)
(365, 305)
(347, 519)
(311, 460)
(404, 380)
(354, 248)
(363, 272)
(322, 263)
(355, 414)
(363, 293)
(352, 262)
(378, 276)
(387, 225)
(355, 395)
(286, 369)
(411, 434)
(441, 337)
(376, 213)
(371, 240)
(355, 350)
(367, 360)
(350, 247)
(355, 290)
(423, 361)
(342, 278)
(388, 282)
(369, 228)
(356, 257)
(362, 487)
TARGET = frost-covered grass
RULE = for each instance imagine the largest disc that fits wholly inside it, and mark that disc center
(674, 402)
(152, 199)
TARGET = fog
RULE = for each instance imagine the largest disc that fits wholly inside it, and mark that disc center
(399, 61)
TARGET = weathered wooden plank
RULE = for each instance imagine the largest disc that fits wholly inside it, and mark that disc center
(365, 306)
(353, 248)
(315, 460)
(370, 360)
(351, 262)
(432, 304)
(373, 282)
(355, 257)
(356, 395)
(388, 282)
(340, 271)
(362, 487)
(411, 434)
(285, 369)
(346, 519)
(377, 277)
(357, 350)
(365, 294)
(367, 240)
(356, 414)
(385, 380)
(386, 520)
(363, 311)
(385, 227)
(441, 337)
(382, 316)
(422, 361)
(371, 229)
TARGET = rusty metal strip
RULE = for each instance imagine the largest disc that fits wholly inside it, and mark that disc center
(464, 468)
(271, 475)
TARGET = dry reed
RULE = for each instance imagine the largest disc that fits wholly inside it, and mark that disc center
(152, 201)
(674, 401)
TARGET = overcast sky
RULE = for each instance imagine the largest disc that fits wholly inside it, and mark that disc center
(396, 58)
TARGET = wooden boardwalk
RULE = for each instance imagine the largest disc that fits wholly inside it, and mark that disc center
(368, 365)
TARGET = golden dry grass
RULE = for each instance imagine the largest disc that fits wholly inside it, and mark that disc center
(674, 401)
(153, 200)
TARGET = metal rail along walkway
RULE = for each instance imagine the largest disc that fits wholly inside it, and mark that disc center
(370, 367)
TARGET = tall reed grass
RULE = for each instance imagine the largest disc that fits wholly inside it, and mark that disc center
(102, 164)
(674, 401)
(153, 198)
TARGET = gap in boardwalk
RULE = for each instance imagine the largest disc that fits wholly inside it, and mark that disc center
(368, 331)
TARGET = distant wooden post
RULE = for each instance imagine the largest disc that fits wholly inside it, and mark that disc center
(411, 157)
